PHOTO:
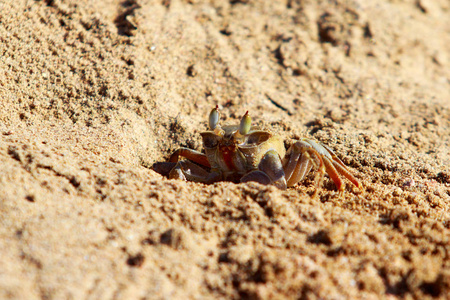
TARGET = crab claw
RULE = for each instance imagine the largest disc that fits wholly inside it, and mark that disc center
(270, 171)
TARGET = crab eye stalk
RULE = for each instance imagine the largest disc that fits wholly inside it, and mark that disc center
(214, 117)
(246, 123)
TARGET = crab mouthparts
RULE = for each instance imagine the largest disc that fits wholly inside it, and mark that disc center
(228, 154)
(227, 149)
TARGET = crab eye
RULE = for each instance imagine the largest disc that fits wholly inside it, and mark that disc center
(214, 118)
(209, 140)
(246, 123)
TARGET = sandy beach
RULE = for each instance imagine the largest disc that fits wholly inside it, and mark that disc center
(93, 93)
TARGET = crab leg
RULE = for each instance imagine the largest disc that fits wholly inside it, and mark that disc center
(302, 157)
(187, 170)
(298, 165)
(333, 173)
(291, 168)
(341, 168)
(190, 154)
(303, 154)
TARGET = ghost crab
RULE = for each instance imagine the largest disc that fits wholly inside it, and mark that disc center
(239, 154)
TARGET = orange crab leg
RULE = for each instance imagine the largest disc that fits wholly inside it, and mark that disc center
(342, 169)
(305, 154)
(333, 173)
(190, 154)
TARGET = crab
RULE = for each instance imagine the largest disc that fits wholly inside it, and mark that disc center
(239, 154)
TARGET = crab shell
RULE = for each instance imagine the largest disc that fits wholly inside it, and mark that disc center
(235, 155)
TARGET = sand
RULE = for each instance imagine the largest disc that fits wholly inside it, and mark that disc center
(93, 93)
